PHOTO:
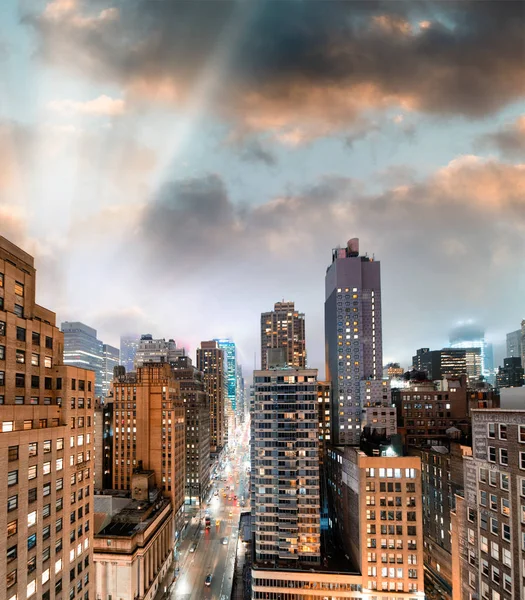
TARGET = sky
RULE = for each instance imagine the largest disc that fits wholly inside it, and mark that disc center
(178, 167)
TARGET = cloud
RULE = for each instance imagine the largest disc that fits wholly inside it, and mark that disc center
(103, 105)
(311, 69)
(509, 140)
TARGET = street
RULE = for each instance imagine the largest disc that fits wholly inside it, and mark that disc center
(210, 555)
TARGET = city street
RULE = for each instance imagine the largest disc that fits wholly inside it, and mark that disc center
(210, 555)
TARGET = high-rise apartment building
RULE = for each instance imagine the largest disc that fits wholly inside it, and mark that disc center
(284, 328)
(285, 469)
(149, 431)
(352, 334)
(376, 514)
(46, 446)
(511, 374)
(156, 351)
(129, 345)
(211, 361)
(230, 365)
(111, 359)
(83, 349)
(197, 406)
(488, 528)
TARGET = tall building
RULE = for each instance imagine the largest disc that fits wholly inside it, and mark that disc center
(393, 371)
(241, 395)
(353, 337)
(111, 359)
(376, 513)
(129, 345)
(197, 406)
(511, 374)
(46, 446)
(284, 328)
(149, 431)
(488, 529)
(471, 336)
(285, 469)
(448, 362)
(230, 364)
(211, 361)
(514, 344)
(83, 349)
(156, 351)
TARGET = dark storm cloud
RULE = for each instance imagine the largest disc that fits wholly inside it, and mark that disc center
(296, 62)
(509, 140)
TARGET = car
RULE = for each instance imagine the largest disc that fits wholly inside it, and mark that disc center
(193, 547)
(231, 513)
(217, 522)
(224, 541)
(208, 579)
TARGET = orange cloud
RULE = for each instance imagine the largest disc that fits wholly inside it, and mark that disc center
(103, 105)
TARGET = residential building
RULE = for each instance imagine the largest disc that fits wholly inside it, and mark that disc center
(83, 349)
(149, 431)
(511, 374)
(197, 406)
(156, 351)
(133, 549)
(353, 337)
(376, 514)
(211, 361)
(448, 362)
(324, 417)
(488, 529)
(285, 468)
(129, 344)
(514, 344)
(230, 365)
(46, 447)
(111, 359)
(284, 328)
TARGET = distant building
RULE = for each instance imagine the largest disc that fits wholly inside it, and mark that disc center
(511, 374)
(353, 335)
(514, 344)
(393, 371)
(230, 365)
(156, 351)
(196, 403)
(472, 336)
(284, 328)
(129, 345)
(522, 330)
(448, 362)
(82, 349)
(285, 468)
(211, 361)
(111, 359)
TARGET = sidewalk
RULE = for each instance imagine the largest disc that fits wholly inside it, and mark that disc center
(242, 577)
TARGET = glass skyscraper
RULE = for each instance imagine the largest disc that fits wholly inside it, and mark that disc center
(230, 354)
(469, 335)
(128, 349)
(83, 349)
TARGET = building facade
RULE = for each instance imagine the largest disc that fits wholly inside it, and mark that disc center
(46, 447)
(83, 349)
(149, 431)
(210, 361)
(285, 466)
(111, 359)
(284, 328)
(230, 365)
(156, 351)
(448, 362)
(129, 345)
(511, 374)
(376, 514)
(197, 406)
(471, 336)
(488, 525)
(353, 337)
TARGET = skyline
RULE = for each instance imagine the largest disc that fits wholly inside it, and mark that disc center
(222, 173)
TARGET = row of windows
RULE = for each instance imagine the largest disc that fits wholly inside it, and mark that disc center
(503, 431)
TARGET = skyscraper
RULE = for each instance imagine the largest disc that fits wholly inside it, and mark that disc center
(284, 328)
(210, 360)
(514, 344)
(469, 335)
(448, 361)
(285, 469)
(353, 338)
(111, 358)
(230, 355)
(156, 351)
(83, 349)
(511, 374)
(128, 349)
(46, 446)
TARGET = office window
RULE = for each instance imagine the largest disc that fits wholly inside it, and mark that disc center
(31, 541)
(12, 553)
(19, 311)
(47, 446)
(2, 327)
(49, 342)
(12, 453)
(12, 478)
(19, 289)
(12, 502)
(521, 434)
(46, 468)
(522, 460)
(502, 431)
(20, 334)
(12, 528)
(32, 472)
(11, 578)
(31, 518)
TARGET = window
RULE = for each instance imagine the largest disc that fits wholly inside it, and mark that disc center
(7, 426)
(31, 588)
(1, 280)
(48, 362)
(31, 541)
(12, 453)
(19, 289)
(492, 453)
(12, 502)
(12, 553)
(2, 327)
(521, 434)
(484, 544)
(12, 528)
(46, 511)
(47, 446)
(11, 578)
(31, 495)
(505, 532)
(493, 502)
(504, 481)
(60, 444)
(2, 378)
(35, 360)
(12, 478)
(46, 489)
(31, 518)
(502, 431)
(522, 460)
(19, 310)
(503, 456)
(46, 532)
(20, 379)
(507, 559)
(49, 342)
(46, 468)
(505, 507)
(20, 334)
(2, 352)
(491, 430)
(494, 550)
(32, 472)
(31, 564)
(33, 449)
